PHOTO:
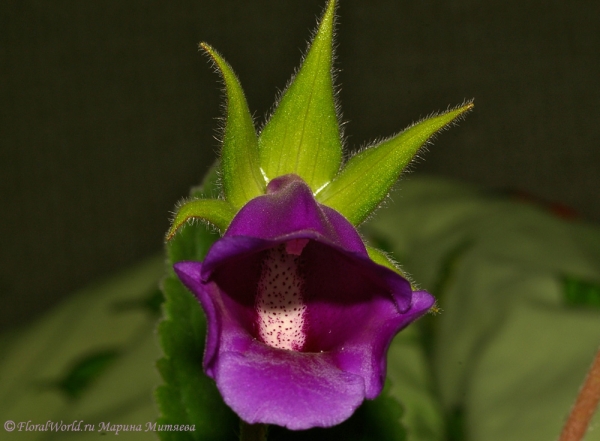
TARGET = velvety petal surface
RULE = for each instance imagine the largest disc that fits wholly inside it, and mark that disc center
(297, 390)
(290, 207)
(354, 307)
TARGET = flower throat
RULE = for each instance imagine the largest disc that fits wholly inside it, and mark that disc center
(279, 297)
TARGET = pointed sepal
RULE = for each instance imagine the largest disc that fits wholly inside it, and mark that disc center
(240, 167)
(368, 176)
(302, 136)
(381, 258)
(216, 212)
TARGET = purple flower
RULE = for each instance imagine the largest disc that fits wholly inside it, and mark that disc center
(299, 317)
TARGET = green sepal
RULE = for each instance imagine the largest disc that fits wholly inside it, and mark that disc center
(240, 168)
(368, 176)
(381, 258)
(302, 136)
(216, 212)
(210, 187)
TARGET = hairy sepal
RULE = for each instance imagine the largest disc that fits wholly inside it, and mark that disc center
(368, 176)
(303, 136)
(215, 212)
(241, 176)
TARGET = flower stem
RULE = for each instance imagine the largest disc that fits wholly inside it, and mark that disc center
(585, 405)
(253, 432)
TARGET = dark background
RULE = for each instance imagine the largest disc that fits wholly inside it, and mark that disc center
(107, 111)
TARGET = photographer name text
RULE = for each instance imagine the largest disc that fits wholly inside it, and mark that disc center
(103, 427)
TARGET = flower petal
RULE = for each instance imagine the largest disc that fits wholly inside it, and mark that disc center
(293, 389)
(289, 207)
(353, 313)
(227, 320)
(264, 384)
(365, 353)
(354, 308)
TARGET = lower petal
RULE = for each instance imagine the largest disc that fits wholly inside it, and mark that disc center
(287, 388)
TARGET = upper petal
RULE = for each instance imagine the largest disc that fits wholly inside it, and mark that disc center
(290, 207)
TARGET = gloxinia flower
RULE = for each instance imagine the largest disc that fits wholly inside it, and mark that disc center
(299, 317)
(300, 312)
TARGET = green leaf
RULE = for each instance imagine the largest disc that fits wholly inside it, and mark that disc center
(188, 396)
(150, 302)
(581, 293)
(85, 371)
(456, 424)
(242, 179)
(412, 384)
(214, 211)
(509, 355)
(368, 176)
(302, 136)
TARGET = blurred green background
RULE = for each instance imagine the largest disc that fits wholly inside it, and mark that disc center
(107, 111)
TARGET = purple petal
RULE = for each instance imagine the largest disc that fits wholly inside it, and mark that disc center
(289, 207)
(292, 389)
(365, 354)
(354, 308)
